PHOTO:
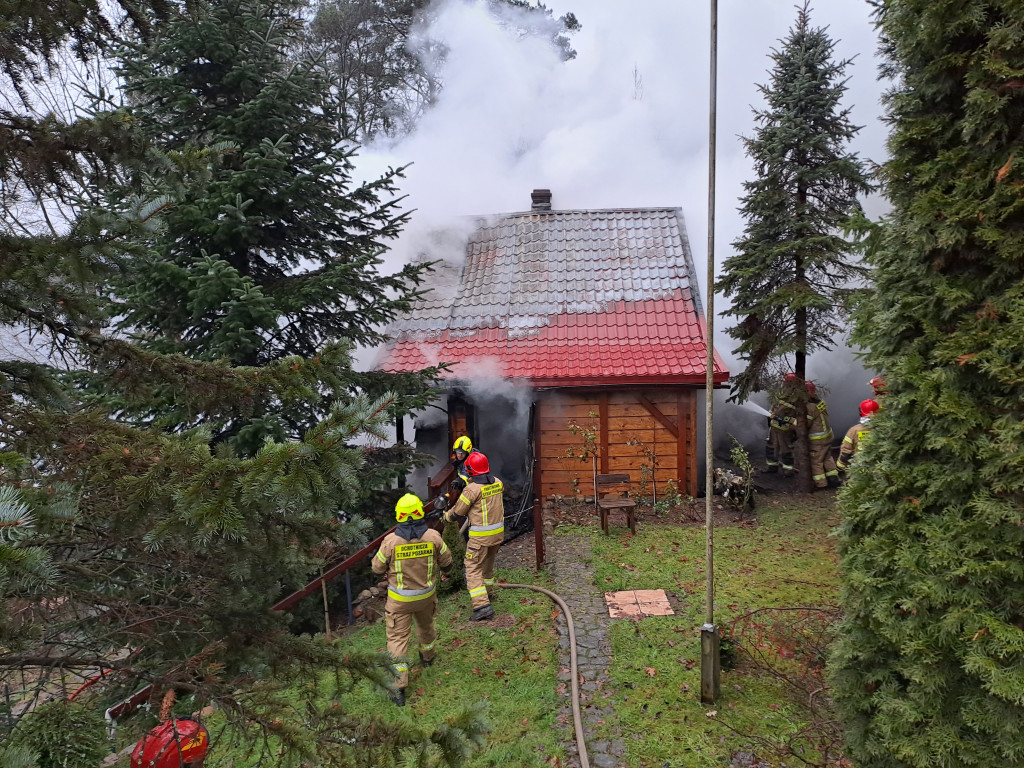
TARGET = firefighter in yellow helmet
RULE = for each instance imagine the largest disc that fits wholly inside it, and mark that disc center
(482, 502)
(412, 556)
(461, 449)
(819, 432)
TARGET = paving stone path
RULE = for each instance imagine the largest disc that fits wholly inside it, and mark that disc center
(574, 582)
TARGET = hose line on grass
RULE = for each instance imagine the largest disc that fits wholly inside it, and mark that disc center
(577, 720)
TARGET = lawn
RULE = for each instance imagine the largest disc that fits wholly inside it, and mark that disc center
(509, 664)
(765, 573)
(785, 560)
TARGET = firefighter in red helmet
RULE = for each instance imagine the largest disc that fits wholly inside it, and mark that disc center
(482, 502)
(819, 432)
(172, 744)
(856, 434)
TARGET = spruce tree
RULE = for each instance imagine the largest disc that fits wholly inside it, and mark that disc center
(278, 252)
(792, 270)
(133, 554)
(929, 669)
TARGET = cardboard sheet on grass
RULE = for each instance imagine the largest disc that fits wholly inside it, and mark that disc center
(637, 603)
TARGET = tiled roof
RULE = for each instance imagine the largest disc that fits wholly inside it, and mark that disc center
(564, 298)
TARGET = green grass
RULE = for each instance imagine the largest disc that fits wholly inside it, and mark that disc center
(786, 560)
(512, 669)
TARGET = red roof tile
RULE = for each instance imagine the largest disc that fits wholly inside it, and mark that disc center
(580, 298)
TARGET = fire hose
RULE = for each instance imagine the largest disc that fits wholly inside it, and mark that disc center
(574, 680)
(581, 746)
(577, 721)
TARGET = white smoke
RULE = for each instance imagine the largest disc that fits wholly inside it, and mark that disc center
(623, 125)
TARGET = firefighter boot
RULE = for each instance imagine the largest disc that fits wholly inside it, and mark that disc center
(398, 696)
(483, 613)
(426, 662)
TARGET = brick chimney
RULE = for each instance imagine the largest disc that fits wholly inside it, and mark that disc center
(540, 200)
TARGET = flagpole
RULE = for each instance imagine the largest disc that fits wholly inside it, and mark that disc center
(710, 659)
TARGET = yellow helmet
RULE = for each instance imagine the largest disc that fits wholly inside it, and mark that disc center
(463, 444)
(409, 507)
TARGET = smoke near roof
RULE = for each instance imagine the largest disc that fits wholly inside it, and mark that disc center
(622, 125)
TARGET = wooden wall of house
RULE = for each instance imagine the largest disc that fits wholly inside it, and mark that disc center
(630, 429)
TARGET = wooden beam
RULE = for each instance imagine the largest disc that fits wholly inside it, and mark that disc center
(664, 420)
(602, 406)
(691, 439)
(683, 457)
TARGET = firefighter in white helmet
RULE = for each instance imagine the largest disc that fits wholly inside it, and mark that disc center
(413, 555)
(483, 503)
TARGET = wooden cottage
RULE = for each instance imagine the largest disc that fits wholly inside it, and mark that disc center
(596, 314)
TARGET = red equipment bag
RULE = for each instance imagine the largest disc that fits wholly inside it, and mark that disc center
(172, 744)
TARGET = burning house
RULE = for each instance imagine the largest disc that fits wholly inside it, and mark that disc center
(578, 347)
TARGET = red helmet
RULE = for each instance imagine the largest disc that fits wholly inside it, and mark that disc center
(476, 464)
(811, 389)
(868, 407)
(878, 384)
(172, 744)
(790, 378)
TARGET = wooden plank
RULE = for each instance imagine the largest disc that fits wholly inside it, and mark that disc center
(603, 418)
(683, 457)
(577, 410)
(538, 484)
(694, 442)
(632, 410)
(660, 417)
(633, 428)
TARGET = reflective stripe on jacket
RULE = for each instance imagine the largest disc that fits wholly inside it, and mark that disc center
(818, 427)
(484, 506)
(412, 565)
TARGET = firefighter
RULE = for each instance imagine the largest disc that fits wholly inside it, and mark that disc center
(878, 386)
(819, 432)
(482, 502)
(778, 449)
(855, 435)
(411, 556)
(460, 451)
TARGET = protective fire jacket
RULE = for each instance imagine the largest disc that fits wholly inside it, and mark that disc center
(855, 436)
(484, 505)
(412, 566)
(818, 426)
(783, 415)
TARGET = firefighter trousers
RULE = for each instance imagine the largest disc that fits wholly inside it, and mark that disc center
(480, 571)
(823, 465)
(778, 450)
(398, 620)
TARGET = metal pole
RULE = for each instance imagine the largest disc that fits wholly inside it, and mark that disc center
(710, 663)
(348, 597)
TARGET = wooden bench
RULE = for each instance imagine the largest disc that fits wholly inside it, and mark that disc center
(618, 484)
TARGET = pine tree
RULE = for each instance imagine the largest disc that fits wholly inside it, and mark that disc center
(792, 269)
(929, 670)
